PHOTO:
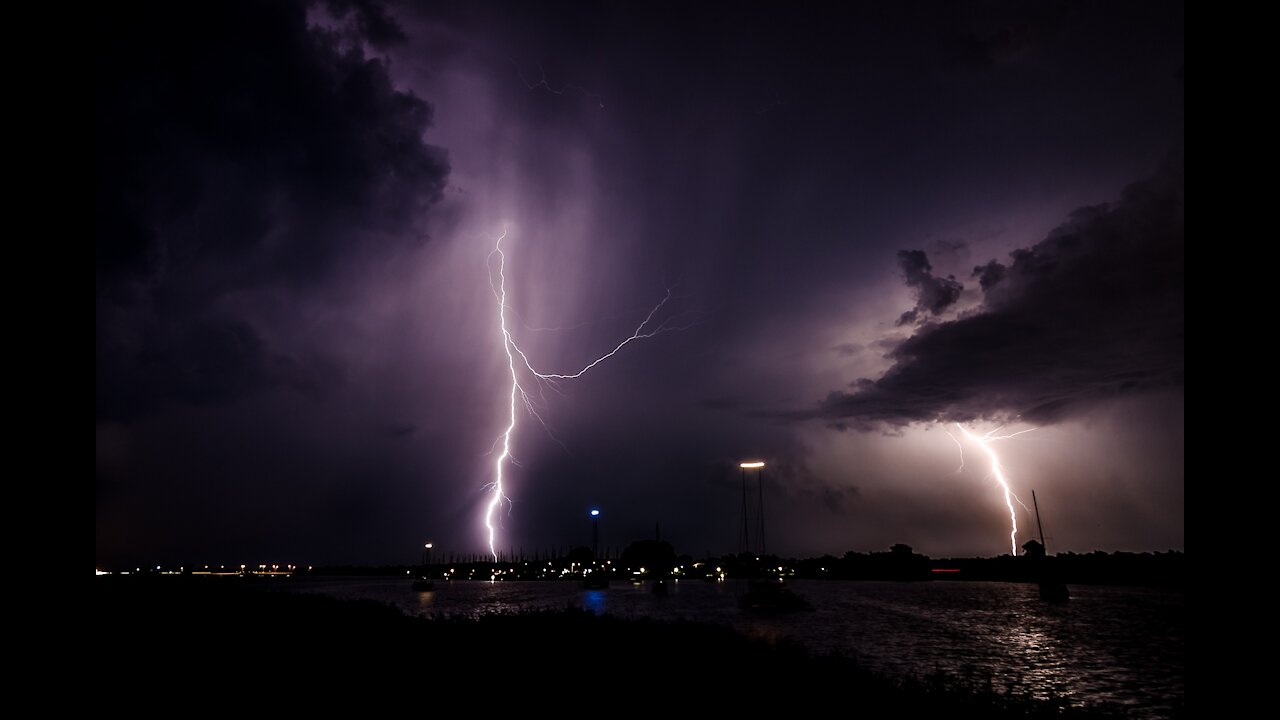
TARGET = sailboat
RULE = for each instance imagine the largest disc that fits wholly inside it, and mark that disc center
(763, 594)
(1052, 589)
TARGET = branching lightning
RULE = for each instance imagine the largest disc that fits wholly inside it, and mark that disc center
(518, 363)
(575, 326)
(997, 471)
(961, 448)
(496, 487)
(545, 85)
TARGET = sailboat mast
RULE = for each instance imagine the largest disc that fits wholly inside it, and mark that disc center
(760, 510)
(1038, 525)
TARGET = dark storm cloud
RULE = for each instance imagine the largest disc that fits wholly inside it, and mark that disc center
(933, 294)
(369, 21)
(237, 149)
(191, 356)
(1092, 312)
(989, 274)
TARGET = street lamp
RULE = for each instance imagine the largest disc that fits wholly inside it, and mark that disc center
(426, 553)
(595, 533)
(758, 466)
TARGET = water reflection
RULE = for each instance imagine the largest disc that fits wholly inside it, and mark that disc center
(1121, 645)
(1046, 675)
(593, 600)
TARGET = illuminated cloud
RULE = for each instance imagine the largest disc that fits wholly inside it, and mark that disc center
(1093, 312)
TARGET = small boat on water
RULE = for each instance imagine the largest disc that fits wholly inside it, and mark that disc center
(423, 584)
(772, 596)
(1052, 589)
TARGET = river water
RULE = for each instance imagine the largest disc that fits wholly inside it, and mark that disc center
(1108, 644)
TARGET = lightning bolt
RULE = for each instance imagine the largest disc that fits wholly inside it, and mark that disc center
(518, 363)
(545, 85)
(997, 471)
(498, 494)
(961, 448)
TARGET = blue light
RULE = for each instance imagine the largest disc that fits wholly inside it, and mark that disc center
(595, 513)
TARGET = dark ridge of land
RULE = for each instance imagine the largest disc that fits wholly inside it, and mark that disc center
(179, 638)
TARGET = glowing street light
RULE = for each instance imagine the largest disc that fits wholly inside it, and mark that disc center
(758, 466)
(595, 533)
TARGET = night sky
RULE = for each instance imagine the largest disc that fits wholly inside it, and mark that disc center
(874, 221)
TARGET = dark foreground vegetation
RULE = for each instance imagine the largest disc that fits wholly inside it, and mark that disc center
(185, 638)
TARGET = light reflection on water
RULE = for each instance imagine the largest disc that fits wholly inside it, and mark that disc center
(594, 600)
(1113, 644)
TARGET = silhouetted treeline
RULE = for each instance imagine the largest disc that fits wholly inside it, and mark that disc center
(362, 570)
(1095, 568)
(900, 563)
(655, 559)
